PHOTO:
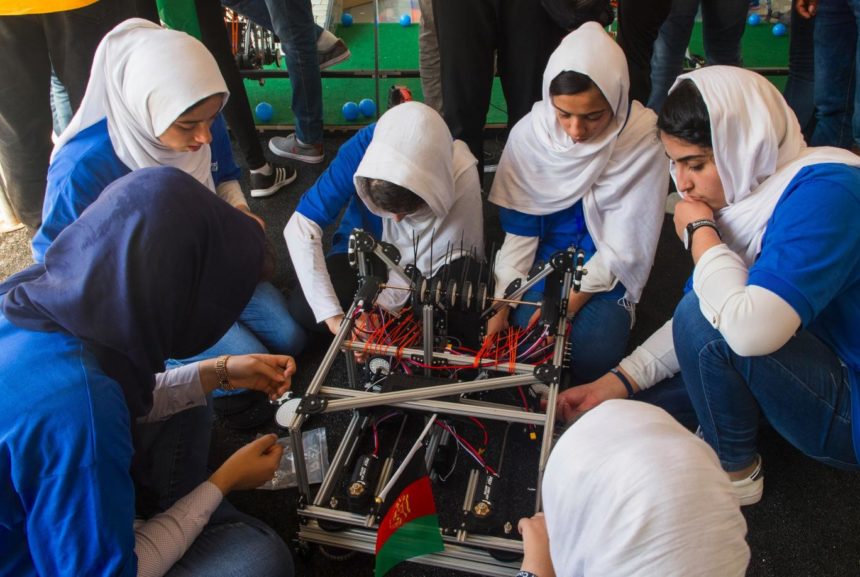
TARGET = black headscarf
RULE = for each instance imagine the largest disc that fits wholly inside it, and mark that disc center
(158, 267)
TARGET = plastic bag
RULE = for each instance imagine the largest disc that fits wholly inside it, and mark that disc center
(316, 461)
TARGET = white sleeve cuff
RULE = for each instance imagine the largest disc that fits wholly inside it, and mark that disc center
(654, 360)
(304, 241)
(175, 390)
(514, 260)
(599, 278)
(231, 192)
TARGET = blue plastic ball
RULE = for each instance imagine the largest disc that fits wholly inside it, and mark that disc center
(264, 112)
(350, 110)
(346, 19)
(367, 107)
(405, 20)
(754, 20)
(779, 29)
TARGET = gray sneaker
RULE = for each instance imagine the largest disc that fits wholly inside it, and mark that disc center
(334, 55)
(292, 147)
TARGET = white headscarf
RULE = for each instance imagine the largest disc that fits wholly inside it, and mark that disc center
(628, 491)
(619, 176)
(412, 147)
(758, 149)
(143, 78)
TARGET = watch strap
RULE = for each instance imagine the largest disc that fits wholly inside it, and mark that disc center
(696, 225)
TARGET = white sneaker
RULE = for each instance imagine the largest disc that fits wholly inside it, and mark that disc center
(749, 490)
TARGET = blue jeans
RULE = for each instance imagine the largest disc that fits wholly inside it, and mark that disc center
(293, 22)
(598, 336)
(170, 461)
(836, 61)
(802, 390)
(61, 108)
(264, 326)
(723, 24)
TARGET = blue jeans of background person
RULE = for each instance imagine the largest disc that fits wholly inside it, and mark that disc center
(265, 326)
(723, 24)
(799, 90)
(61, 108)
(802, 390)
(598, 337)
(170, 461)
(293, 22)
(836, 94)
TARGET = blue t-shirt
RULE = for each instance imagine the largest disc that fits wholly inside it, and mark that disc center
(810, 258)
(66, 495)
(323, 202)
(557, 231)
(87, 164)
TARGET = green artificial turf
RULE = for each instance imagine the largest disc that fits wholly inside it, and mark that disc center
(398, 50)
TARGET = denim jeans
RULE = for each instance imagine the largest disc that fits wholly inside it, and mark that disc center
(836, 61)
(723, 24)
(802, 390)
(598, 336)
(265, 326)
(293, 22)
(170, 461)
(61, 108)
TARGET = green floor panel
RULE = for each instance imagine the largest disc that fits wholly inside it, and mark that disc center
(398, 50)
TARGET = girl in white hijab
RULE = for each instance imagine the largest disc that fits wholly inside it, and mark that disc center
(154, 99)
(405, 180)
(770, 325)
(628, 491)
(583, 169)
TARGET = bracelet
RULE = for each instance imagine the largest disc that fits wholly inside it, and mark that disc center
(526, 574)
(222, 374)
(624, 381)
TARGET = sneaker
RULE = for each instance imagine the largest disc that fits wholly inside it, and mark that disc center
(338, 52)
(749, 490)
(292, 147)
(263, 185)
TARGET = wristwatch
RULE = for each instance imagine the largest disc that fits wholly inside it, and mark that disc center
(693, 227)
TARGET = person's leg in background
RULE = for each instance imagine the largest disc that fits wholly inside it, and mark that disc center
(293, 22)
(237, 111)
(799, 90)
(467, 34)
(667, 62)
(265, 179)
(802, 390)
(527, 38)
(638, 26)
(723, 25)
(25, 115)
(855, 119)
(835, 40)
(61, 108)
(428, 58)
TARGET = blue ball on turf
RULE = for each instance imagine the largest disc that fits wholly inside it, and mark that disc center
(346, 19)
(779, 29)
(754, 20)
(350, 110)
(367, 107)
(405, 20)
(264, 112)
